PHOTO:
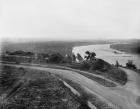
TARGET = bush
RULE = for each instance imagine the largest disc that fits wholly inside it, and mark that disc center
(130, 65)
(100, 65)
(85, 66)
(42, 93)
(97, 64)
(56, 58)
(68, 59)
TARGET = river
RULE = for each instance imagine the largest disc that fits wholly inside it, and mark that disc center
(105, 52)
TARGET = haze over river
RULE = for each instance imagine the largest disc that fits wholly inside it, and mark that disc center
(104, 52)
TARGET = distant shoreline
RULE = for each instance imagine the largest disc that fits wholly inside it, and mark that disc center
(62, 47)
(133, 48)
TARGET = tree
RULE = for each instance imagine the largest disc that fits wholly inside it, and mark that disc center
(73, 57)
(79, 57)
(130, 65)
(90, 55)
(56, 58)
(117, 64)
(85, 65)
(68, 58)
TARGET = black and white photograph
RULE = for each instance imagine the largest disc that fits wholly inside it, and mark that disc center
(69, 54)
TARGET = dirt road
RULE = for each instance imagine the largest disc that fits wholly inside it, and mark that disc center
(120, 97)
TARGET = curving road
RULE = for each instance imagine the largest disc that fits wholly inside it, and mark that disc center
(121, 97)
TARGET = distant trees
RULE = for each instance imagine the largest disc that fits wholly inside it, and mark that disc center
(56, 58)
(90, 55)
(44, 55)
(130, 65)
(20, 53)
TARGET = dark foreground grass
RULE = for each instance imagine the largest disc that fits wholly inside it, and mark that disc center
(42, 90)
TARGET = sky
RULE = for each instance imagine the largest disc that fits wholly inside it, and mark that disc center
(22, 20)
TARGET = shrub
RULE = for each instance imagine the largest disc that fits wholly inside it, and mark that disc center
(130, 65)
(100, 65)
(85, 65)
(68, 59)
(56, 58)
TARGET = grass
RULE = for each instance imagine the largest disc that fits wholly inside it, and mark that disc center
(42, 90)
(45, 90)
(114, 74)
(76, 68)
(138, 71)
(117, 75)
(99, 80)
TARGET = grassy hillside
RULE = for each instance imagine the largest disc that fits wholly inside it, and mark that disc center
(31, 89)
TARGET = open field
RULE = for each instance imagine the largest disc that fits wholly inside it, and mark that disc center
(32, 89)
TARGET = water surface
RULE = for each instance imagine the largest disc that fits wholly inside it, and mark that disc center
(105, 52)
